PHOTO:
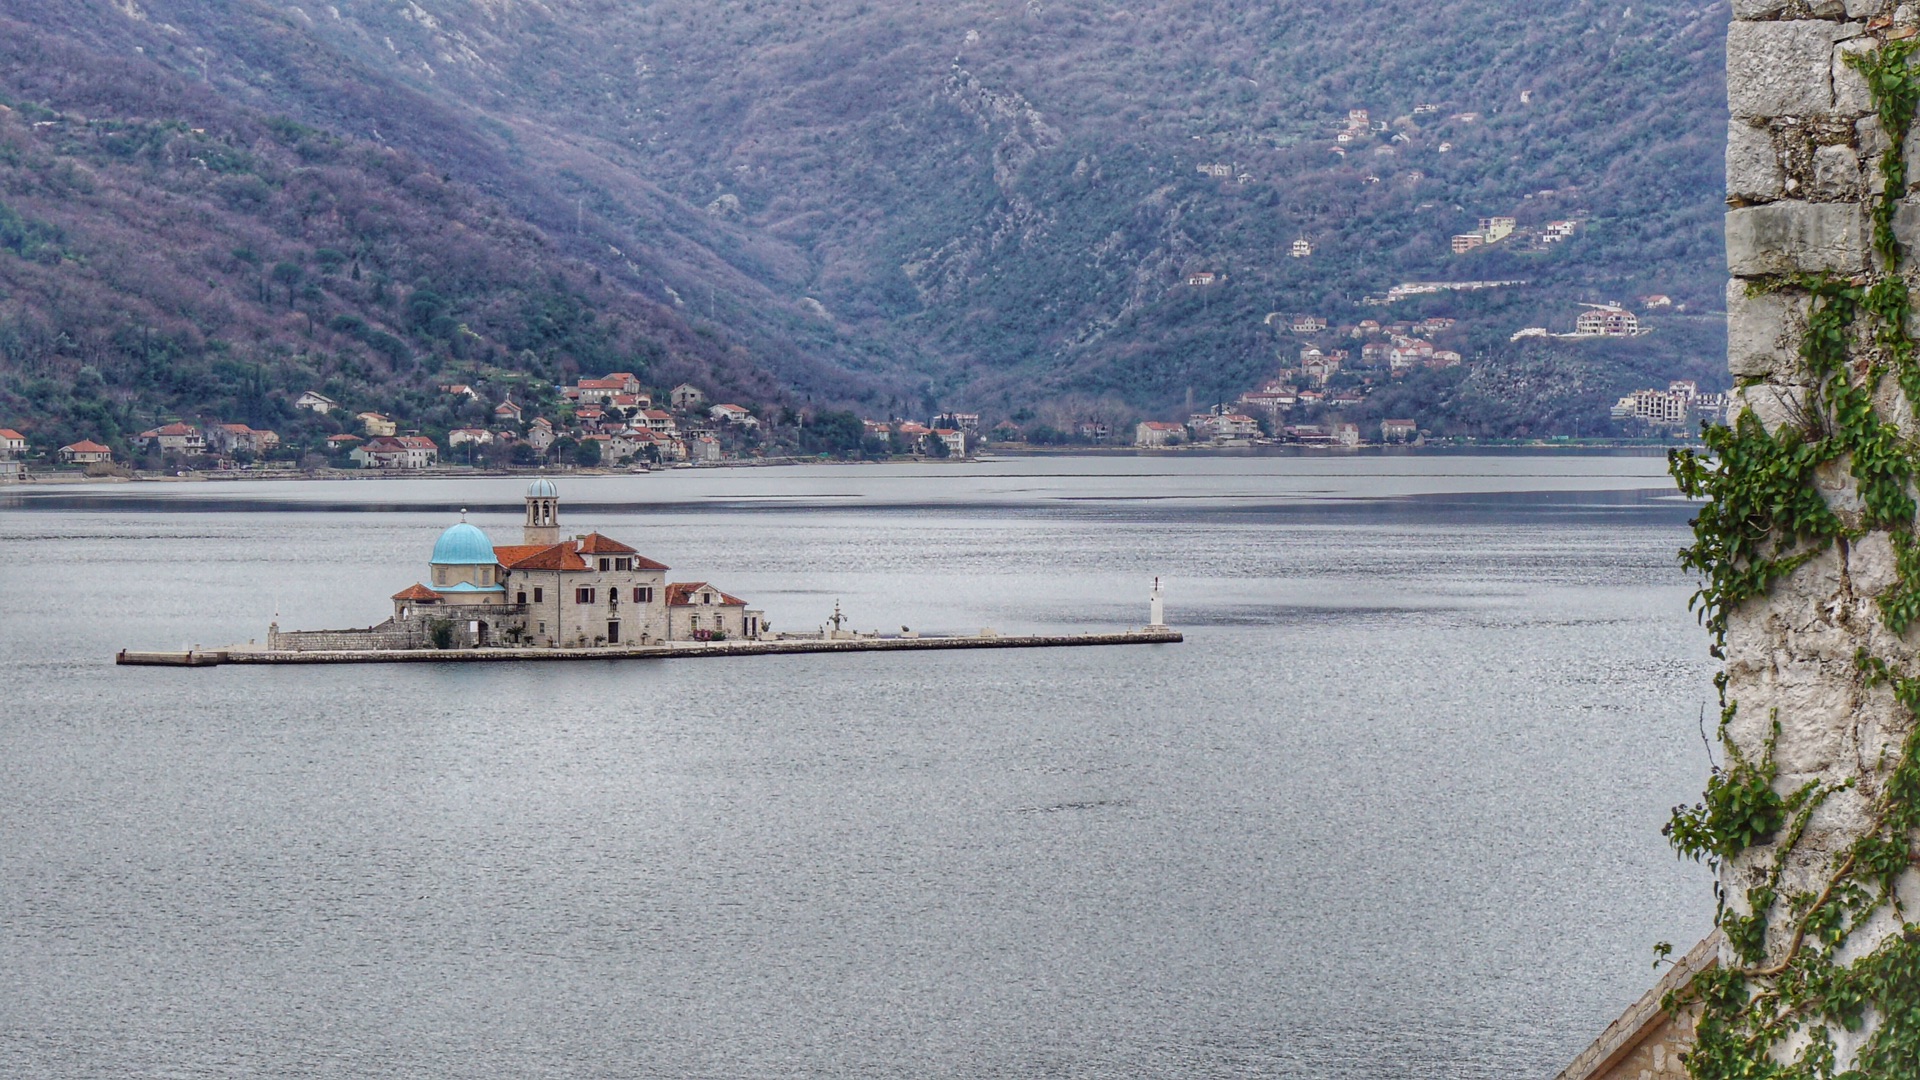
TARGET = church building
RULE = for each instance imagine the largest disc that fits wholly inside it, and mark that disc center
(551, 592)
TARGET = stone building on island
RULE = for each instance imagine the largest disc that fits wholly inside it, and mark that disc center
(588, 591)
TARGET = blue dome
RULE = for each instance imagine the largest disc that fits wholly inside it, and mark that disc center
(542, 489)
(463, 545)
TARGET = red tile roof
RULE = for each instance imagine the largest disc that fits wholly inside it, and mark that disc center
(86, 446)
(557, 557)
(680, 594)
(566, 555)
(9, 433)
(416, 592)
(595, 544)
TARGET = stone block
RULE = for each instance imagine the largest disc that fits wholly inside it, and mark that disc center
(1753, 166)
(1774, 405)
(1865, 9)
(1872, 143)
(1851, 97)
(1758, 9)
(1783, 68)
(1795, 237)
(1906, 223)
(1764, 331)
(1836, 173)
(1870, 563)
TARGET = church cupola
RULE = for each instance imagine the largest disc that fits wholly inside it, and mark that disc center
(543, 513)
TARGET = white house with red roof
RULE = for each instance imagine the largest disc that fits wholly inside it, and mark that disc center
(85, 452)
(734, 414)
(11, 443)
(654, 420)
(697, 611)
(397, 452)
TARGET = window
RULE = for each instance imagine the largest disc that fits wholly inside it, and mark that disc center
(583, 595)
(643, 594)
(604, 564)
(522, 598)
(623, 564)
(537, 591)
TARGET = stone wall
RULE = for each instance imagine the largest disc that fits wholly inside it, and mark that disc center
(1802, 175)
(387, 635)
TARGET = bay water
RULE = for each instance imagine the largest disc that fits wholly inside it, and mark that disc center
(1391, 810)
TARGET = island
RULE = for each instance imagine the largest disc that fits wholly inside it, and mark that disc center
(587, 596)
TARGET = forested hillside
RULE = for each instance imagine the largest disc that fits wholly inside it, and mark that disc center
(986, 205)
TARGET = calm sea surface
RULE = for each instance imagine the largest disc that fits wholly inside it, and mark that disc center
(1392, 810)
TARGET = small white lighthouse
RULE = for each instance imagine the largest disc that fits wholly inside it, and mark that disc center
(1156, 607)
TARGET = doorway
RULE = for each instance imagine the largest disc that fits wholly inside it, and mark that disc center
(613, 633)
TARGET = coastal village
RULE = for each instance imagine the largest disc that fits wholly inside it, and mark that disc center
(1329, 370)
(608, 421)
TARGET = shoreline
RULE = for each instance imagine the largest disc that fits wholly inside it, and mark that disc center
(1251, 450)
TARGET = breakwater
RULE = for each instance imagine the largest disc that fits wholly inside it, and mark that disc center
(246, 654)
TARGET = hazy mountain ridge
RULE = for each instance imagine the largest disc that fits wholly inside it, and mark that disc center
(994, 204)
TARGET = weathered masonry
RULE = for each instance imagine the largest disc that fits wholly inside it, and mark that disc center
(1808, 551)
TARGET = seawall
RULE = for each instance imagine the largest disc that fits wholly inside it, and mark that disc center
(1156, 635)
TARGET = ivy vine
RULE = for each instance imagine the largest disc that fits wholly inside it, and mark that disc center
(1780, 1013)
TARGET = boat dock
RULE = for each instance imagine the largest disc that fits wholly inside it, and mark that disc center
(249, 654)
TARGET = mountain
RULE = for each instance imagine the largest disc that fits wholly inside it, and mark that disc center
(987, 205)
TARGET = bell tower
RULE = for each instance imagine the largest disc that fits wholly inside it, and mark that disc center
(543, 514)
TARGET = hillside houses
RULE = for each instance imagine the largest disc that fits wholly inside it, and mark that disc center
(1681, 405)
(240, 439)
(1222, 425)
(1606, 320)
